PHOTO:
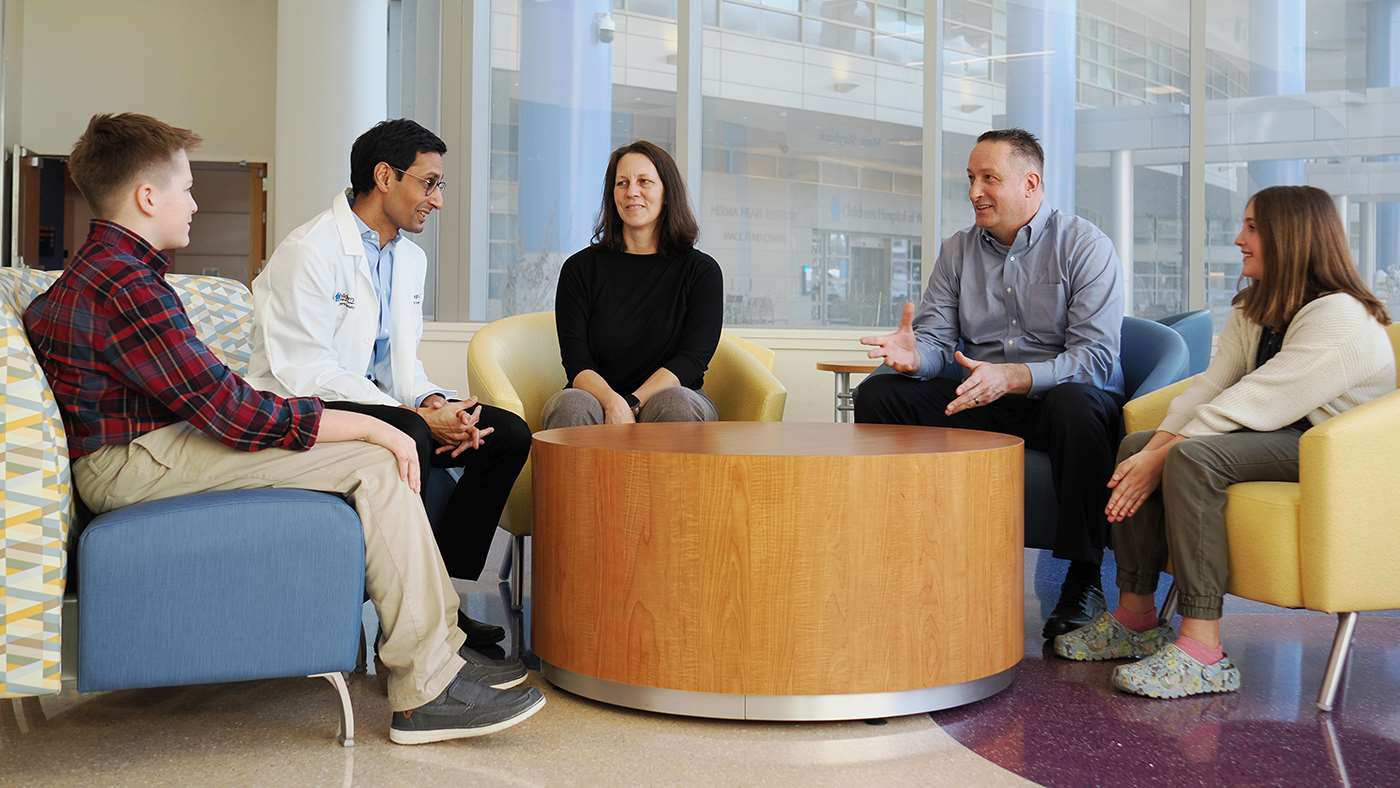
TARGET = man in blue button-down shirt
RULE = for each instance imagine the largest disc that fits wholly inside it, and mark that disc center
(1033, 297)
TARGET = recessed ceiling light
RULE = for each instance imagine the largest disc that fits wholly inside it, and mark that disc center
(1162, 90)
(844, 87)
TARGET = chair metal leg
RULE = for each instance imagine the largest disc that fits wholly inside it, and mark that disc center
(347, 712)
(507, 564)
(517, 572)
(1169, 604)
(1341, 650)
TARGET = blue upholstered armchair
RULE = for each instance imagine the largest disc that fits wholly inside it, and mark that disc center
(1153, 356)
(197, 589)
(1196, 329)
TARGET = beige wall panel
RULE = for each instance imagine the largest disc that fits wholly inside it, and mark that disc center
(209, 65)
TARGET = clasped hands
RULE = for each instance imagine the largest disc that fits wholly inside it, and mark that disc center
(1133, 481)
(454, 424)
(985, 383)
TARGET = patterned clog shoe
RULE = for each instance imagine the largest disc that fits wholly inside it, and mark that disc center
(1172, 673)
(1106, 638)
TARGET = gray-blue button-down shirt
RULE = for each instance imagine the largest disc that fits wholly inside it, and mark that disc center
(1051, 301)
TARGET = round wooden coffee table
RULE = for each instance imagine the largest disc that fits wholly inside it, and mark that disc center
(778, 571)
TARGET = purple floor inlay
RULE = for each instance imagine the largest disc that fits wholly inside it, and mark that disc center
(1062, 723)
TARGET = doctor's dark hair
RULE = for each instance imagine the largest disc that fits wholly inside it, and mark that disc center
(397, 143)
(676, 226)
(116, 150)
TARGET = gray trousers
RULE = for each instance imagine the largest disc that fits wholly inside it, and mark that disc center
(1185, 517)
(576, 407)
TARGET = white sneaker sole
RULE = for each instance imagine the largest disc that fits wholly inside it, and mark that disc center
(446, 734)
(515, 682)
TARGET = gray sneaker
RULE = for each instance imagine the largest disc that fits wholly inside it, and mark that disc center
(494, 673)
(463, 710)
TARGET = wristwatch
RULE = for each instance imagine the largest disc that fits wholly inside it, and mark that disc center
(633, 403)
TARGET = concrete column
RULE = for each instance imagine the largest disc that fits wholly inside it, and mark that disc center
(1368, 260)
(1383, 71)
(332, 85)
(1278, 52)
(1121, 230)
(565, 112)
(1040, 88)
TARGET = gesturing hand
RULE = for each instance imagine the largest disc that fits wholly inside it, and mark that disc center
(987, 383)
(1133, 480)
(897, 349)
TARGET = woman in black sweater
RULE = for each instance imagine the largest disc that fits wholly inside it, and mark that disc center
(639, 310)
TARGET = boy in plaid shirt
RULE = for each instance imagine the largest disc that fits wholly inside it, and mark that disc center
(151, 413)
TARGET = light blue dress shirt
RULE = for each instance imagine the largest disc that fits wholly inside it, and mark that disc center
(1052, 301)
(381, 270)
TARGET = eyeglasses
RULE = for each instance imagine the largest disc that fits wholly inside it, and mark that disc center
(430, 185)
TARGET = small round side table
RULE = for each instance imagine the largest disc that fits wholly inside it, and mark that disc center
(845, 400)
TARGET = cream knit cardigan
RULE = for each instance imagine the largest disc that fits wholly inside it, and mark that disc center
(1335, 356)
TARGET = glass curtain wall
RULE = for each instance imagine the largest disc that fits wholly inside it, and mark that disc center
(1105, 86)
(812, 160)
(811, 126)
(570, 81)
(1304, 93)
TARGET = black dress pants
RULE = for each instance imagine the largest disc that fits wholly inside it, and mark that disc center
(466, 527)
(1077, 425)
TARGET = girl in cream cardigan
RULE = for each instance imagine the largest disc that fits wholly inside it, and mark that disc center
(1305, 341)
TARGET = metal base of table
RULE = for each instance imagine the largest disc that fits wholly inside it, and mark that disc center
(790, 708)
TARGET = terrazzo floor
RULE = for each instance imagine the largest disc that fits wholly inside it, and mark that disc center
(1059, 724)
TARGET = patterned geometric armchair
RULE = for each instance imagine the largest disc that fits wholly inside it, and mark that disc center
(197, 589)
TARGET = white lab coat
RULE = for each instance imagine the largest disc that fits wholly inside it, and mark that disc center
(316, 315)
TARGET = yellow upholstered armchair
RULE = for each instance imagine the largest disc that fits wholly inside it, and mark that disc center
(514, 363)
(1330, 542)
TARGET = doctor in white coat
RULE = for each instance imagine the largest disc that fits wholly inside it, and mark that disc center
(338, 314)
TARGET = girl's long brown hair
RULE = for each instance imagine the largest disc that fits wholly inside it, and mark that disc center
(1305, 256)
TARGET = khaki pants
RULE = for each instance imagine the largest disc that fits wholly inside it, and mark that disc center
(1186, 515)
(404, 574)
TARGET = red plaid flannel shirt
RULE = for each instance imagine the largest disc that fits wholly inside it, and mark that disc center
(119, 351)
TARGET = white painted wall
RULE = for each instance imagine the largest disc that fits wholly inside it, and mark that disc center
(14, 70)
(207, 65)
(810, 392)
(332, 85)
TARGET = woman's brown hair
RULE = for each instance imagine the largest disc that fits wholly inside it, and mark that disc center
(1305, 256)
(676, 226)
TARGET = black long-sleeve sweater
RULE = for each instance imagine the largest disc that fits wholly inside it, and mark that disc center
(625, 316)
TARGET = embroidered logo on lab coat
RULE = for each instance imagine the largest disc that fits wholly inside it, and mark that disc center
(344, 299)
(417, 299)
